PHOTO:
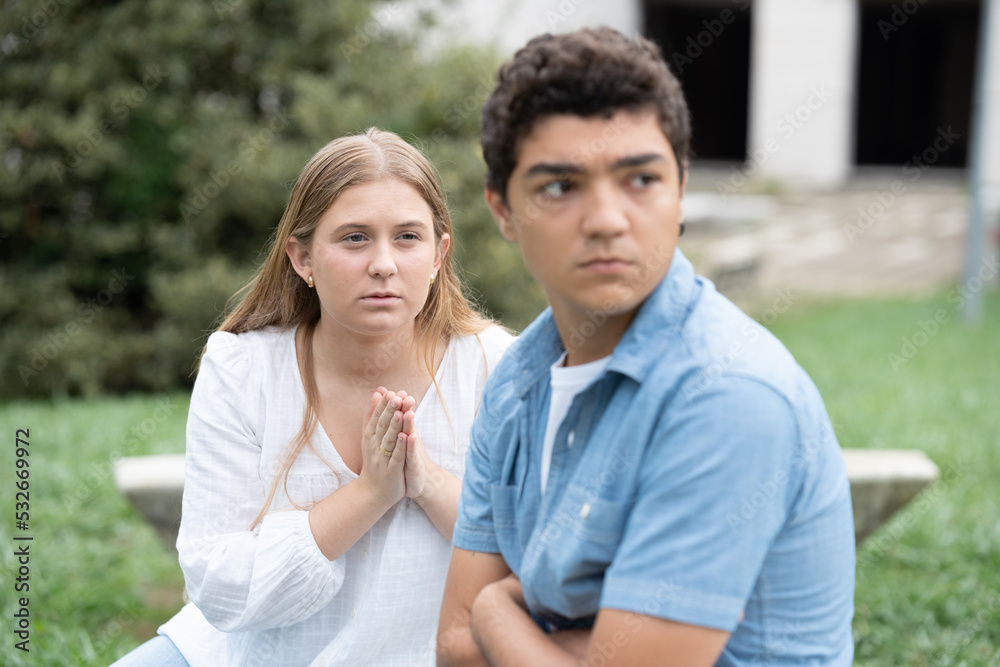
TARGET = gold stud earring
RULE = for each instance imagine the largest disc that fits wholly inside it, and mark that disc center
(432, 279)
(310, 282)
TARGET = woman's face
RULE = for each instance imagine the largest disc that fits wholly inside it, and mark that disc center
(372, 257)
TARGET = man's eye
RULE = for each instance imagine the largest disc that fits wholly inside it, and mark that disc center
(556, 188)
(643, 180)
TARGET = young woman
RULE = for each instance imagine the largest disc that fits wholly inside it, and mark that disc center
(328, 428)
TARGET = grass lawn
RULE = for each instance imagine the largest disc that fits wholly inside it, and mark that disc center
(928, 586)
(928, 583)
(101, 581)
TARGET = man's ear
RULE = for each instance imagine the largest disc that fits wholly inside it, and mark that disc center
(502, 215)
(680, 201)
(299, 256)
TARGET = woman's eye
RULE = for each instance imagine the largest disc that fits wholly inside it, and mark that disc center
(355, 238)
(409, 236)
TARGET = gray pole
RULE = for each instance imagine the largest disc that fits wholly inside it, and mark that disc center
(974, 242)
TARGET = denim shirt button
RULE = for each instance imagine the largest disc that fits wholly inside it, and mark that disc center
(585, 511)
(570, 438)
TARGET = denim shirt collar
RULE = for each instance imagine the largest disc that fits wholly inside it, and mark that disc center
(654, 327)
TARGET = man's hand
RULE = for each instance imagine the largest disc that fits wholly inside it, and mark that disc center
(507, 635)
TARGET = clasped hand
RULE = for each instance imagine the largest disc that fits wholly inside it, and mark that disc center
(394, 461)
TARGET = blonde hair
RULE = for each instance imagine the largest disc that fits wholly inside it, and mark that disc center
(277, 296)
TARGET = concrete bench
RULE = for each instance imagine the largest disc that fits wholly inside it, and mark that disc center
(724, 239)
(882, 482)
(154, 485)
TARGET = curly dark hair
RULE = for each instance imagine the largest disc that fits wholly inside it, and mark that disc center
(591, 72)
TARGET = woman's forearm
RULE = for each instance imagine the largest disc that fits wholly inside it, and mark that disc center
(343, 517)
(440, 500)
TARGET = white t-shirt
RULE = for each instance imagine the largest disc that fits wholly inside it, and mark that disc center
(565, 383)
(269, 596)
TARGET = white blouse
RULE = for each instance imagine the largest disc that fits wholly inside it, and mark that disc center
(269, 596)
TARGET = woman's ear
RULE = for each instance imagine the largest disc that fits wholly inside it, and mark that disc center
(442, 250)
(299, 256)
(502, 215)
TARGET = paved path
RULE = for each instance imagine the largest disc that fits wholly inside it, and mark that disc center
(862, 240)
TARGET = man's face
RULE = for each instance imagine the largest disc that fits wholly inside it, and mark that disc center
(595, 205)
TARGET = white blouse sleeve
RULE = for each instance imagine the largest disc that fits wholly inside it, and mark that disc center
(494, 342)
(273, 576)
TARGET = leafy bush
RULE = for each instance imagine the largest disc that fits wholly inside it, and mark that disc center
(148, 151)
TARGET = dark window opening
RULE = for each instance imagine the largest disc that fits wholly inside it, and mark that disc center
(707, 45)
(915, 81)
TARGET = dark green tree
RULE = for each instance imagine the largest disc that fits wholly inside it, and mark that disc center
(148, 148)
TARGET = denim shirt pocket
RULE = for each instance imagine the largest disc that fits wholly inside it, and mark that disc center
(503, 500)
(565, 562)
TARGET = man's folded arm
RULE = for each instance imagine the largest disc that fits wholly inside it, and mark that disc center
(468, 573)
(629, 638)
(503, 635)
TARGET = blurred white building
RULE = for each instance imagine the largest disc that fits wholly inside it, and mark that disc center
(803, 92)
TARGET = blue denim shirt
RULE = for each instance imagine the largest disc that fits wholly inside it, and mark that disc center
(697, 480)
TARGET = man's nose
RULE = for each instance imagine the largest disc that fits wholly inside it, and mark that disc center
(604, 213)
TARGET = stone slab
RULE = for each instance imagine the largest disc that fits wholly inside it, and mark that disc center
(154, 485)
(882, 482)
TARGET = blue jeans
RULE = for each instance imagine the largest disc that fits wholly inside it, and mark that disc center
(157, 652)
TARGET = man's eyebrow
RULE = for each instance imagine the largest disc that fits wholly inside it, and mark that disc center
(638, 160)
(557, 168)
(553, 168)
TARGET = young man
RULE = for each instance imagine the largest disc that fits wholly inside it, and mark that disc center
(652, 479)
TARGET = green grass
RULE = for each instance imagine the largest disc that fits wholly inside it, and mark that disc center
(928, 583)
(101, 581)
(928, 586)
